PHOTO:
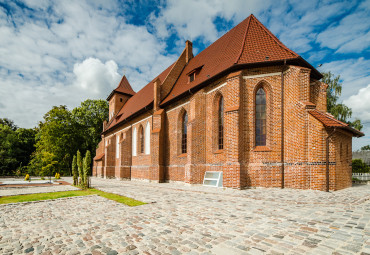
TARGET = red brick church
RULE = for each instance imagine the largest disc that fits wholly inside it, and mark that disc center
(247, 111)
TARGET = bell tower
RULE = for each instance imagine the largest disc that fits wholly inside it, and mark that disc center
(119, 96)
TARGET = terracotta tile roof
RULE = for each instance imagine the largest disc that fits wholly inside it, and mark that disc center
(123, 87)
(329, 121)
(248, 42)
(260, 45)
(139, 101)
(99, 157)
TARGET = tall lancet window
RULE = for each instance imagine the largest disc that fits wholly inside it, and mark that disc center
(221, 123)
(141, 139)
(184, 133)
(261, 118)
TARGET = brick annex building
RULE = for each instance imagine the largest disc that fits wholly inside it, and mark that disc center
(246, 106)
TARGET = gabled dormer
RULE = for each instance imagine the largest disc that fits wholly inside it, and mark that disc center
(119, 96)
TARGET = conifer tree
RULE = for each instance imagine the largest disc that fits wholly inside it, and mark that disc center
(74, 170)
(86, 168)
(79, 166)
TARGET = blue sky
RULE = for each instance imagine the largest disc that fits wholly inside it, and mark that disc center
(63, 52)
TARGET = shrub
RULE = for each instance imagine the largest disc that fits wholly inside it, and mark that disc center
(27, 177)
(57, 176)
(42, 178)
(358, 166)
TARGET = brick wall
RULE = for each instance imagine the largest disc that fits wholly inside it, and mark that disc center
(243, 163)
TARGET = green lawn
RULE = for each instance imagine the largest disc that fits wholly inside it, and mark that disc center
(53, 195)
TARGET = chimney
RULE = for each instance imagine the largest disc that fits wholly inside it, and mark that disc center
(157, 94)
(104, 124)
(189, 51)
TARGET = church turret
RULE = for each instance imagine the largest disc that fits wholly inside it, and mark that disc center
(119, 96)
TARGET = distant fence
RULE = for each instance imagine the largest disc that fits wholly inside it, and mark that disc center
(361, 176)
(364, 155)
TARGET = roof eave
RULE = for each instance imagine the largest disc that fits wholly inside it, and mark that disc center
(354, 131)
(118, 92)
(142, 110)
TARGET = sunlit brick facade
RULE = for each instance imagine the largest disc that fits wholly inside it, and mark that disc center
(145, 138)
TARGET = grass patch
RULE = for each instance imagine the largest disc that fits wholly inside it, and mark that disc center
(54, 195)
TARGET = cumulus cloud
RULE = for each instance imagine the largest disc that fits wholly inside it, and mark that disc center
(96, 78)
(360, 103)
(192, 19)
(64, 52)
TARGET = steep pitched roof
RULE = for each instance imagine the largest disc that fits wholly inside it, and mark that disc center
(249, 42)
(137, 102)
(330, 121)
(123, 87)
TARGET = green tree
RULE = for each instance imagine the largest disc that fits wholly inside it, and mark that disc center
(9, 123)
(89, 116)
(50, 164)
(339, 110)
(58, 135)
(25, 143)
(86, 168)
(8, 150)
(74, 170)
(358, 166)
(79, 167)
(365, 148)
(16, 146)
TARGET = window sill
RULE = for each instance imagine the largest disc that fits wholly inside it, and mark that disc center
(182, 155)
(261, 148)
(219, 151)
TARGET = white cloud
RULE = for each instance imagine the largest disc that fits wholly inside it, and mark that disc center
(64, 47)
(360, 104)
(192, 19)
(351, 34)
(354, 74)
(68, 51)
(95, 78)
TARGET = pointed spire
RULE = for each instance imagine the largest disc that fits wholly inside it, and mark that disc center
(123, 87)
(260, 45)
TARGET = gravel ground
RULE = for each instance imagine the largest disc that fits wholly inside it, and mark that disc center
(180, 219)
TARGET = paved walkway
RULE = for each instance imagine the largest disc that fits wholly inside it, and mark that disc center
(191, 220)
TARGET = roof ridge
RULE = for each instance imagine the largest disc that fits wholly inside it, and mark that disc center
(245, 38)
(274, 37)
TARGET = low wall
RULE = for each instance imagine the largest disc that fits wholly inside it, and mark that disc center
(361, 176)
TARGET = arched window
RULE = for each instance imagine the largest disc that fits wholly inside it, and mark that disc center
(147, 138)
(141, 139)
(134, 142)
(221, 123)
(260, 117)
(117, 146)
(184, 133)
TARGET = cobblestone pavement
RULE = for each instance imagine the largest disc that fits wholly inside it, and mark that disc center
(191, 220)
